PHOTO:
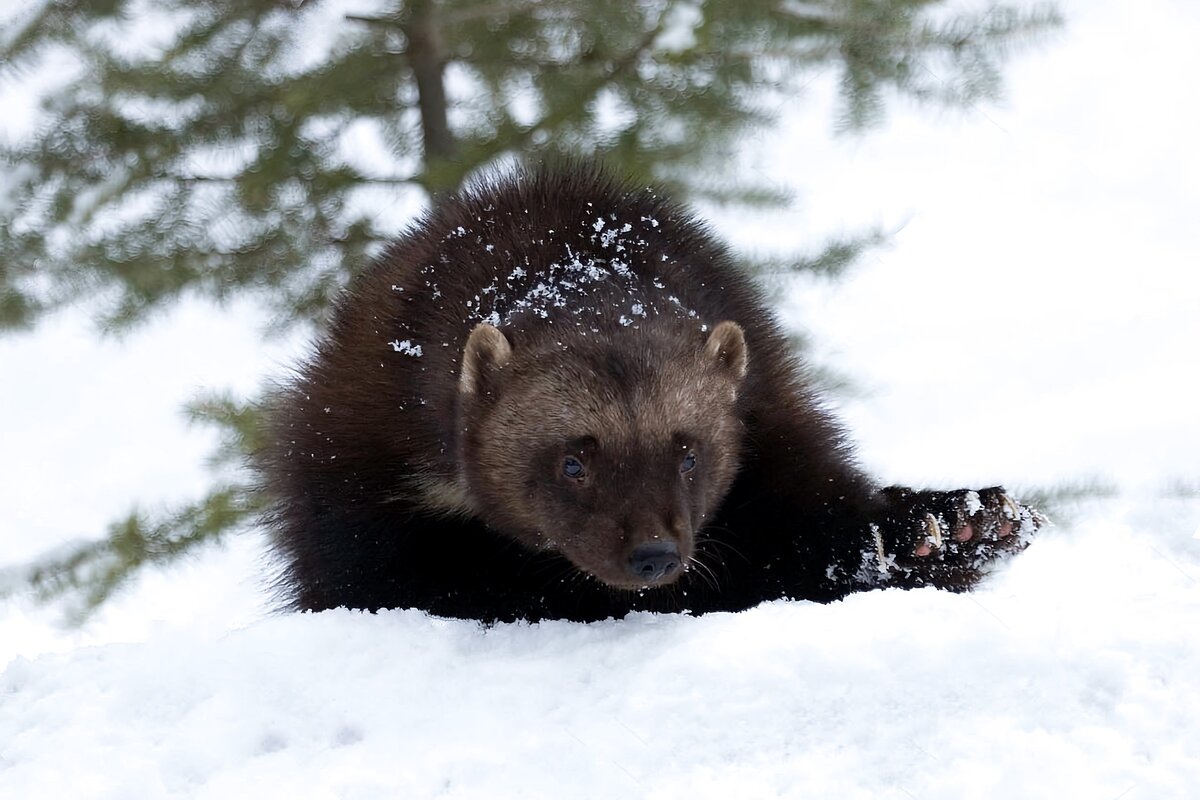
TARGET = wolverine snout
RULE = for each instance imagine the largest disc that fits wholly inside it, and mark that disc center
(654, 562)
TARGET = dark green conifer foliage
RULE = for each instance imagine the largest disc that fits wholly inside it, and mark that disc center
(217, 147)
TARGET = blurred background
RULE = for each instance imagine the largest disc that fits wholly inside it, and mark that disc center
(977, 218)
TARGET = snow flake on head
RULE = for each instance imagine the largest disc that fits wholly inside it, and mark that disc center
(406, 347)
(598, 277)
(615, 237)
(430, 270)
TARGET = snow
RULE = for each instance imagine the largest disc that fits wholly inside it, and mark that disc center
(1047, 683)
(406, 347)
(679, 28)
(1034, 322)
(568, 282)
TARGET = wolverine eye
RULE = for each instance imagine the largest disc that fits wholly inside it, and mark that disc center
(572, 467)
(689, 463)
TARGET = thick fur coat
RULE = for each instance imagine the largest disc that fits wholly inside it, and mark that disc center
(556, 396)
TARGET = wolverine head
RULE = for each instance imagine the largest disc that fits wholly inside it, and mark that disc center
(612, 451)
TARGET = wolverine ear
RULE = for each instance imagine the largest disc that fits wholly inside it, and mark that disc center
(727, 345)
(487, 350)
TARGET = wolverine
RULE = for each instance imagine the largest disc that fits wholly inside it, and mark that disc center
(557, 397)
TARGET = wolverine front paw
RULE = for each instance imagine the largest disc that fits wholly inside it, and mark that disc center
(950, 539)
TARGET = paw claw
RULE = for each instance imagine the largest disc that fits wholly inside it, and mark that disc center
(1011, 509)
(933, 537)
(952, 539)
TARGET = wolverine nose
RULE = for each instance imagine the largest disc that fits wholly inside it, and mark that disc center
(654, 561)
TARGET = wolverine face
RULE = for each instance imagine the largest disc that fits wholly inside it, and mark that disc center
(613, 454)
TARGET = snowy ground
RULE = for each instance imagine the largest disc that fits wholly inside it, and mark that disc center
(1036, 321)
(1073, 674)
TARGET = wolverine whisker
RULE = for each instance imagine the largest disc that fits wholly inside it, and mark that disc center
(703, 572)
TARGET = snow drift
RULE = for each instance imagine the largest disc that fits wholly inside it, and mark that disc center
(1071, 673)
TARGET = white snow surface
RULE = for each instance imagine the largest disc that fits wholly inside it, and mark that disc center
(1069, 675)
(1036, 320)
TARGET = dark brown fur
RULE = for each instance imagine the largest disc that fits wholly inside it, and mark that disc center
(418, 461)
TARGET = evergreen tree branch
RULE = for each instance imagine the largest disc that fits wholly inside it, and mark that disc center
(92, 573)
